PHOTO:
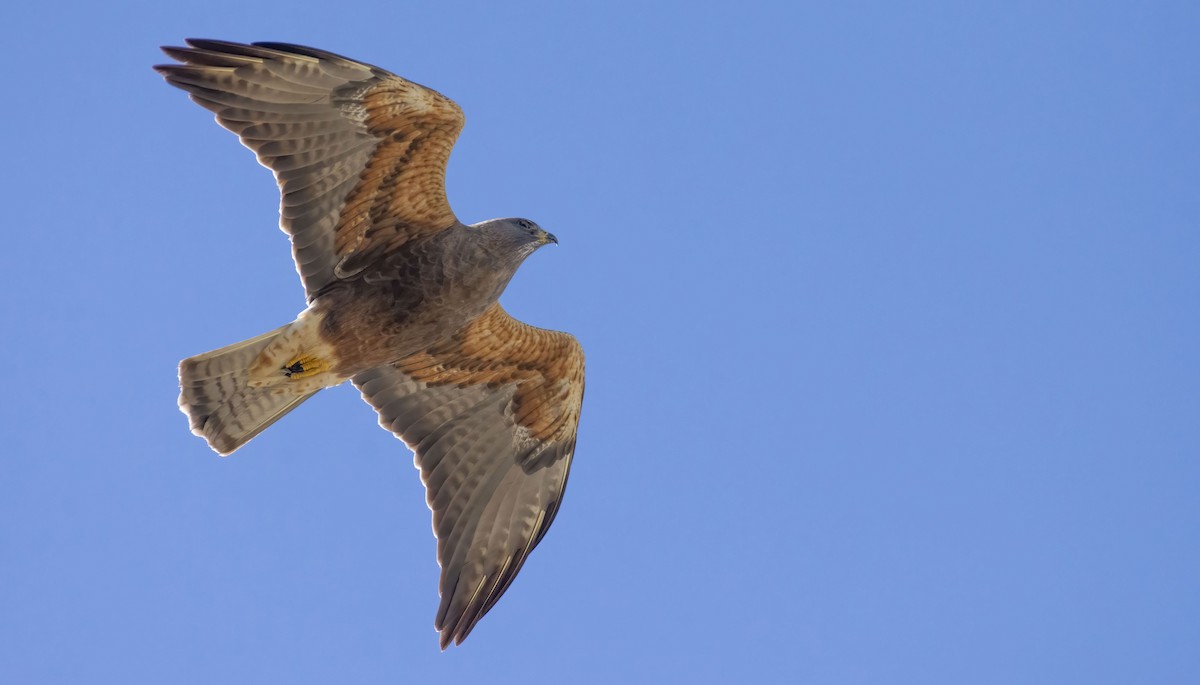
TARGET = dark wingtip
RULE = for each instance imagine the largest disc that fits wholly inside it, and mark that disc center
(176, 52)
(212, 44)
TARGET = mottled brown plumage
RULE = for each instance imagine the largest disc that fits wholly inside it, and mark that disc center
(402, 300)
(545, 366)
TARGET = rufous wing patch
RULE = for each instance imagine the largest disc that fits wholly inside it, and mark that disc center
(545, 366)
(401, 195)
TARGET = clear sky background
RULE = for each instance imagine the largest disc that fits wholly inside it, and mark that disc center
(892, 315)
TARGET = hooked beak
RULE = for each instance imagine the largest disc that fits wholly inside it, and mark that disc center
(548, 237)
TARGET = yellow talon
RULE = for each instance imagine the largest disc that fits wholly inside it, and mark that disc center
(305, 366)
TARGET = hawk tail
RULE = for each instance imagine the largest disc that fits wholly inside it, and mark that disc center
(219, 402)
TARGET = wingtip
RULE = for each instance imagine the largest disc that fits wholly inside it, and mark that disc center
(453, 635)
(211, 43)
(176, 52)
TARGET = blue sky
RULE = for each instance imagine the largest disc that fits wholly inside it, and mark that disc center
(891, 320)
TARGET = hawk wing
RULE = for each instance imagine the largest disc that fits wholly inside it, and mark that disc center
(491, 415)
(359, 153)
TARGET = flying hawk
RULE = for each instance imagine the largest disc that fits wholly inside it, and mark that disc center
(402, 301)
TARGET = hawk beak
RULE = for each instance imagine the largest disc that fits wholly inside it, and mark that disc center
(549, 238)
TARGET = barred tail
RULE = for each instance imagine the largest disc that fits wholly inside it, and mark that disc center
(222, 407)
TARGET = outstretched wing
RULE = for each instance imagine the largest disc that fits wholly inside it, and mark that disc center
(359, 153)
(491, 415)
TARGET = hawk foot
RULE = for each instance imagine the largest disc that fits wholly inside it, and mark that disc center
(305, 366)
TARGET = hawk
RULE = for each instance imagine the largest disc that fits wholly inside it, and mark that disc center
(401, 301)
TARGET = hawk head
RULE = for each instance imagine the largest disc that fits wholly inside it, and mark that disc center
(517, 238)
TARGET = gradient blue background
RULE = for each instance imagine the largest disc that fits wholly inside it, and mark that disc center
(891, 314)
